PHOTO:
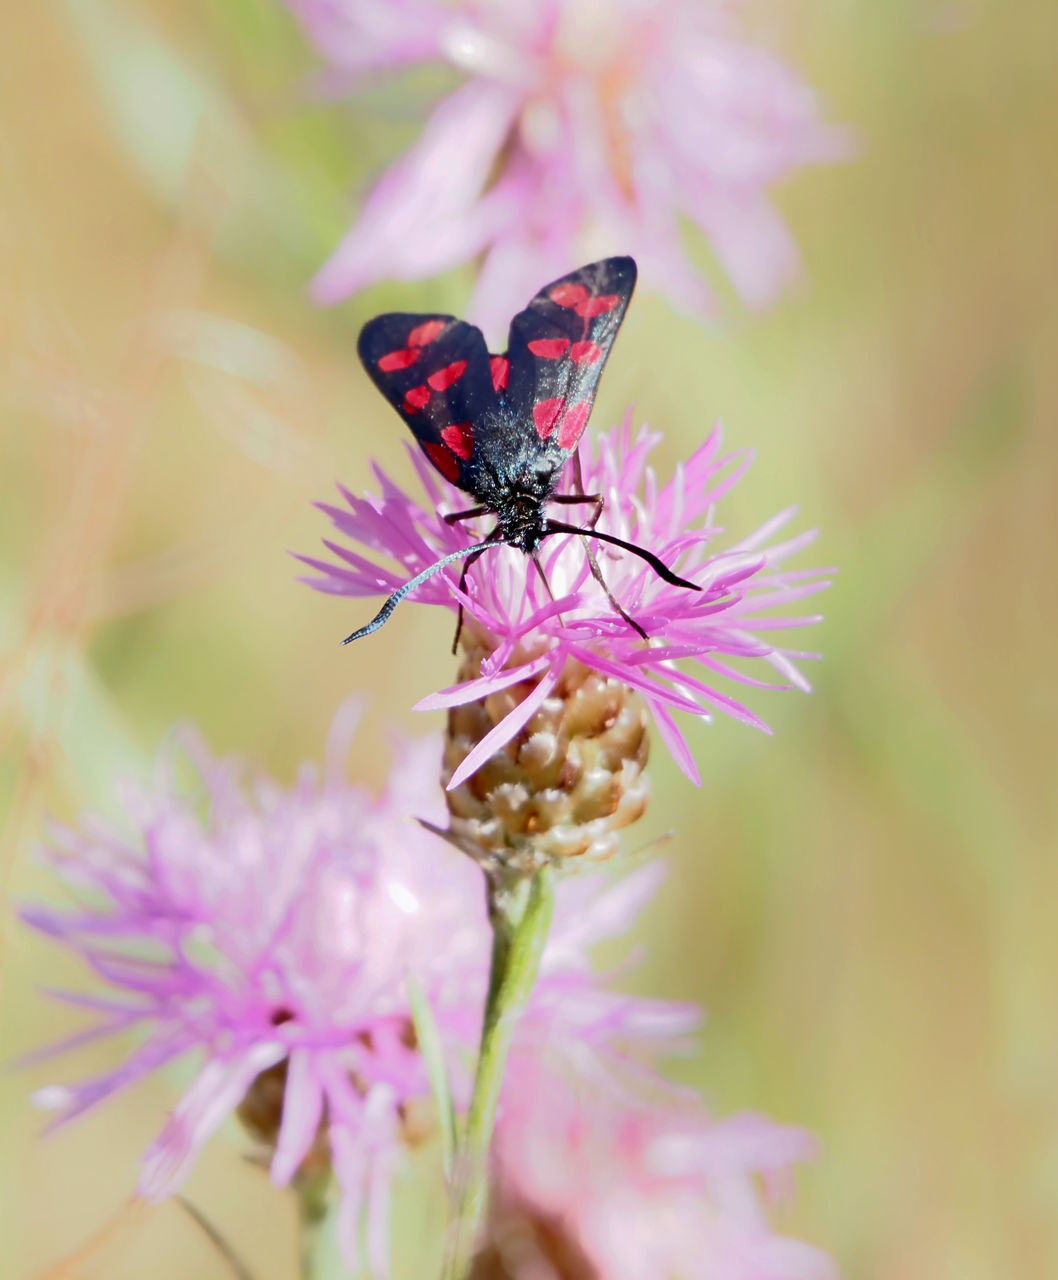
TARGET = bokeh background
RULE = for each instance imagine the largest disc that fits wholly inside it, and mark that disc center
(866, 902)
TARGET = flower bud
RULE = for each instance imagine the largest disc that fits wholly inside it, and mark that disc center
(564, 785)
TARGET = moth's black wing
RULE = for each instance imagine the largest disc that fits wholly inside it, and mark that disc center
(557, 349)
(435, 372)
(515, 417)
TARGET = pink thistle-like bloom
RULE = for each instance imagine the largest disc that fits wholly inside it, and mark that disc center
(593, 1184)
(581, 129)
(271, 931)
(697, 638)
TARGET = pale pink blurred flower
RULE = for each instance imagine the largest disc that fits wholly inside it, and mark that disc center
(582, 129)
(270, 931)
(590, 1184)
(697, 638)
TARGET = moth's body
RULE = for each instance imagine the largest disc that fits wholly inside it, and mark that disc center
(502, 427)
(516, 493)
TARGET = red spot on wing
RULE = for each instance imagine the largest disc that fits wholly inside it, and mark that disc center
(500, 368)
(415, 399)
(460, 439)
(398, 359)
(423, 334)
(443, 378)
(574, 420)
(589, 308)
(546, 414)
(585, 353)
(444, 460)
(549, 348)
(569, 295)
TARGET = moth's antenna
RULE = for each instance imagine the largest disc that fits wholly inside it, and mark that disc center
(659, 566)
(383, 614)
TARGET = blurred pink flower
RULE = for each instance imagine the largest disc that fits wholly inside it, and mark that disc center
(582, 129)
(271, 930)
(590, 1184)
(534, 637)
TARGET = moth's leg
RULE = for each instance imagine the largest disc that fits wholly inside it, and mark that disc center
(462, 587)
(600, 502)
(535, 557)
(474, 555)
(456, 516)
(596, 573)
(571, 499)
(580, 495)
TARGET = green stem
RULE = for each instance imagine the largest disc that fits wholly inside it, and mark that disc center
(520, 913)
(321, 1257)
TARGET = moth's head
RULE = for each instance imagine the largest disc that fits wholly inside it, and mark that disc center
(522, 519)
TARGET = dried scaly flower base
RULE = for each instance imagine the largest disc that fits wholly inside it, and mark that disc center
(563, 786)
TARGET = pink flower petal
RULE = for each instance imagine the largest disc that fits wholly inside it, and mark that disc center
(302, 1110)
(425, 214)
(675, 741)
(472, 690)
(219, 1088)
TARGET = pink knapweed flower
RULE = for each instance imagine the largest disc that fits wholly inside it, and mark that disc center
(270, 931)
(592, 1184)
(697, 638)
(581, 129)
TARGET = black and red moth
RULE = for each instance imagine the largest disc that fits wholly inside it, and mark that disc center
(502, 427)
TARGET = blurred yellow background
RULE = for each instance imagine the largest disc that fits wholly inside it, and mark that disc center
(868, 908)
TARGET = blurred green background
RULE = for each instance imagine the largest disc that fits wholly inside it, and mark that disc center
(867, 908)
